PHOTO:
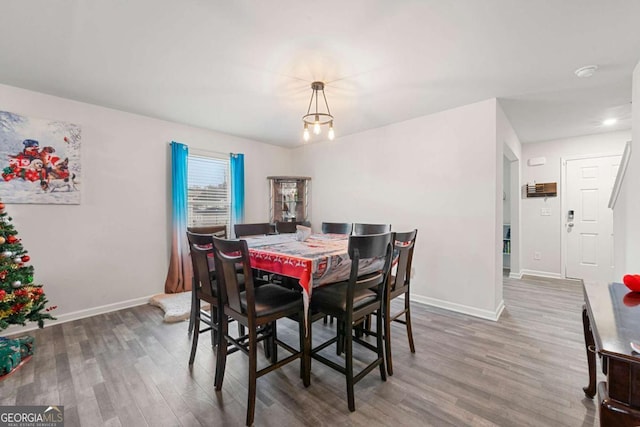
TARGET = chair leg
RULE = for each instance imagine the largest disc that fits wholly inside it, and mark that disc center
(192, 315)
(340, 332)
(387, 336)
(274, 345)
(196, 334)
(383, 371)
(213, 311)
(407, 317)
(221, 356)
(305, 348)
(253, 365)
(348, 338)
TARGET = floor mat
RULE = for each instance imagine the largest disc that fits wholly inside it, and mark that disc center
(176, 306)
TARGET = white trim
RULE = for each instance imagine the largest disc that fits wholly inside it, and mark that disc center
(624, 161)
(515, 275)
(546, 274)
(459, 308)
(76, 315)
(563, 207)
(200, 152)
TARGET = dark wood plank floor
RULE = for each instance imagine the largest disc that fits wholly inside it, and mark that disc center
(128, 368)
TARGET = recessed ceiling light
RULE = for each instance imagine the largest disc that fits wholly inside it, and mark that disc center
(609, 122)
(586, 71)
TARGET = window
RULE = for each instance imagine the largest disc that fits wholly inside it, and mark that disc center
(208, 199)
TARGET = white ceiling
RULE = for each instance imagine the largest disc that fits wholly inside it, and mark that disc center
(245, 67)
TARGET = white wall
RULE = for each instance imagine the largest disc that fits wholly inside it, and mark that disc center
(543, 233)
(437, 173)
(626, 214)
(112, 250)
(508, 146)
(506, 185)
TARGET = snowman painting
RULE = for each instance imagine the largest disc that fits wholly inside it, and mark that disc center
(39, 160)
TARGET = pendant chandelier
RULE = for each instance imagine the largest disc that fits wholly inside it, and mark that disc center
(317, 118)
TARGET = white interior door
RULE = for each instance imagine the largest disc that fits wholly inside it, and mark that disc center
(589, 249)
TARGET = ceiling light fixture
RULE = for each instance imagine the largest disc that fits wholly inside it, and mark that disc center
(609, 122)
(317, 118)
(586, 71)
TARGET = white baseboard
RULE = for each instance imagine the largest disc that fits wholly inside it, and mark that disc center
(459, 308)
(76, 315)
(541, 274)
(515, 275)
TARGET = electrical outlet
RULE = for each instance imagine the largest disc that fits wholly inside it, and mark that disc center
(545, 212)
(537, 256)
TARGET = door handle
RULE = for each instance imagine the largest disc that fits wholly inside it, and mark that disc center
(570, 225)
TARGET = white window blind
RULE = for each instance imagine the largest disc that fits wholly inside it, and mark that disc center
(208, 196)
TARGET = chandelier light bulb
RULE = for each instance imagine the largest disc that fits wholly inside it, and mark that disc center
(306, 135)
(316, 126)
(332, 134)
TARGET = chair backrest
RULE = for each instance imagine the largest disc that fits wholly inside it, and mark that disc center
(257, 229)
(364, 229)
(216, 230)
(337, 227)
(228, 254)
(370, 247)
(404, 243)
(286, 227)
(201, 247)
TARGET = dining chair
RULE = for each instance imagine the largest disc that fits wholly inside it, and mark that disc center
(258, 309)
(205, 288)
(256, 229)
(205, 316)
(364, 229)
(286, 227)
(337, 227)
(351, 302)
(397, 285)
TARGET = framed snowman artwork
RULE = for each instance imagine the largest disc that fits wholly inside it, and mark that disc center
(39, 160)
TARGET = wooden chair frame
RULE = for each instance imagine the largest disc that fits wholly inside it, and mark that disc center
(360, 247)
(365, 229)
(337, 227)
(218, 231)
(228, 254)
(399, 284)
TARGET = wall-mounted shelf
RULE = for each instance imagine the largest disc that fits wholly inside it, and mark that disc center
(546, 189)
(506, 246)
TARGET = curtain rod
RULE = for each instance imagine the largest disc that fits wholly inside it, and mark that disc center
(204, 151)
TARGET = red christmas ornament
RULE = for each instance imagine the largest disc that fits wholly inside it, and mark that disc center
(1, 205)
(65, 139)
(11, 238)
(3, 274)
(25, 258)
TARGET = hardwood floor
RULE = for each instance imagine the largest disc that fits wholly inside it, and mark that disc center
(128, 368)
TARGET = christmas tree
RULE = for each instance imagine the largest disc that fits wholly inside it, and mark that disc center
(21, 301)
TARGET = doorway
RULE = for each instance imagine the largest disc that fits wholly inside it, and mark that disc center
(506, 216)
(587, 221)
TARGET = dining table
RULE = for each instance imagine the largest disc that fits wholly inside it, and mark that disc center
(317, 260)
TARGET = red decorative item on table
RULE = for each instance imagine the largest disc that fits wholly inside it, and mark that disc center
(632, 281)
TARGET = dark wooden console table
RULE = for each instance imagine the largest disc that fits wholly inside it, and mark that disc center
(611, 318)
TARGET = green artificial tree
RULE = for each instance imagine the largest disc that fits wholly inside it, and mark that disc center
(21, 301)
